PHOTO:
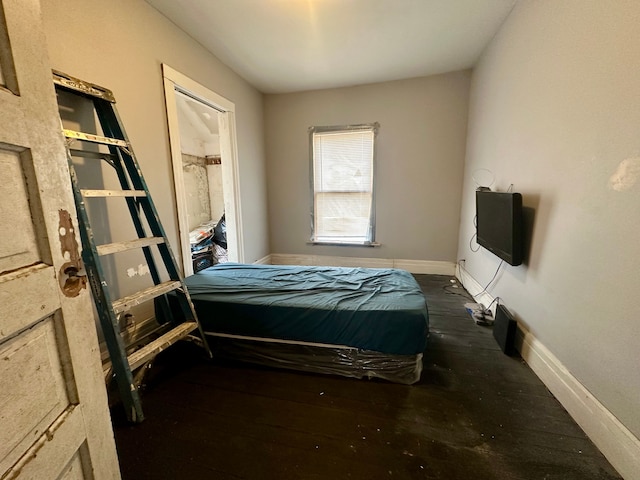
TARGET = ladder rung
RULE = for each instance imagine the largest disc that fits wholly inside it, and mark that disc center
(125, 303)
(91, 154)
(90, 137)
(151, 349)
(113, 193)
(109, 248)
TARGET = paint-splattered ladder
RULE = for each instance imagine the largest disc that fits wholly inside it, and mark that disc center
(150, 234)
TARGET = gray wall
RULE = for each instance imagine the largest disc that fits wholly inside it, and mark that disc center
(121, 45)
(555, 111)
(420, 156)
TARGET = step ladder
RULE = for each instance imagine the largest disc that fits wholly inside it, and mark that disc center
(141, 208)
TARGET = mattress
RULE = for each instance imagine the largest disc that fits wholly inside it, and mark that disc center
(380, 310)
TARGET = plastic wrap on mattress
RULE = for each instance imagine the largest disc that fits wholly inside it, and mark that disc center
(336, 360)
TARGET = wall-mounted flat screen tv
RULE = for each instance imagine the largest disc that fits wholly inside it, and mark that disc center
(499, 224)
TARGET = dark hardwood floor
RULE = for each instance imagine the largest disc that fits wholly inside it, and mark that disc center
(476, 414)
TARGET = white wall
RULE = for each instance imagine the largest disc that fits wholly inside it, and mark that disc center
(121, 45)
(555, 110)
(420, 155)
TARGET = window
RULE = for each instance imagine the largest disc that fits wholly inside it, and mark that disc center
(342, 179)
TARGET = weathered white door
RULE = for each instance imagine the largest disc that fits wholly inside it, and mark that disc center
(54, 420)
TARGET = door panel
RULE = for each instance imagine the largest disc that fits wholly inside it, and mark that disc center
(74, 471)
(20, 248)
(33, 391)
(51, 459)
(54, 419)
(16, 314)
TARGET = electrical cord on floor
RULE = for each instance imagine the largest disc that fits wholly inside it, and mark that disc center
(462, 292)
(497, 299)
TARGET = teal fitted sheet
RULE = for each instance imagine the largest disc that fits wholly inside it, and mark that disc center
(382, 310)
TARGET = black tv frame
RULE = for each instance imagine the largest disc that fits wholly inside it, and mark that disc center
(499, 224)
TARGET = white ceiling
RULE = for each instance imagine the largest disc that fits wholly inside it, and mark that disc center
(292, 45)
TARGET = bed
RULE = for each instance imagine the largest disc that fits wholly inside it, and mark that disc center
(355, 322)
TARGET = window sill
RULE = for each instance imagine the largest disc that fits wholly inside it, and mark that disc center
(345, 244)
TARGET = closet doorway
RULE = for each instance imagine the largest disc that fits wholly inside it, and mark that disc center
(204, 158)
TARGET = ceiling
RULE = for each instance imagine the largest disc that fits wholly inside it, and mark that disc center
(284, 46)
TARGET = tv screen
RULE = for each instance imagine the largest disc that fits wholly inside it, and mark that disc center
(499, 224)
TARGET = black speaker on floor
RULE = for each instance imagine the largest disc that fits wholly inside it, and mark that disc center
(504, 330)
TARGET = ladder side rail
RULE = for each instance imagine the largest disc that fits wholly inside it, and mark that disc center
(110, 328)
(133, 206)
(152, 215)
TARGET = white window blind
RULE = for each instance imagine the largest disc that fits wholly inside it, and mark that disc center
(343, 184)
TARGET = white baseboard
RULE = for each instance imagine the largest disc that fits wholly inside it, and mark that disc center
(613, 439)
(426, 266)
(266, 260)
(475, 289)
(412, 266)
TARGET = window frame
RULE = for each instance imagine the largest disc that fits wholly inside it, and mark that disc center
(370, 240)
